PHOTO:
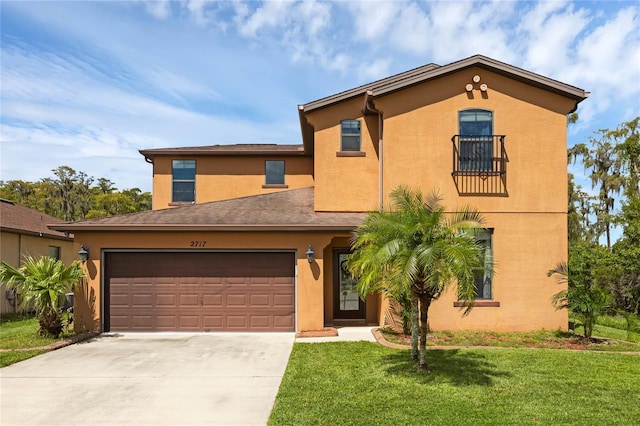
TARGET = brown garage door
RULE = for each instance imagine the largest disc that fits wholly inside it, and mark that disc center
(199, 291)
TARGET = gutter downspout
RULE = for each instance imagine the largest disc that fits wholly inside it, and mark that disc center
(369, 108)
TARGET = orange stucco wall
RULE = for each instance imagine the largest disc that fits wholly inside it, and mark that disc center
(525, 247)
(344, 183)
(221, 178)
(309, 282)
(14, 247)
(529, 218)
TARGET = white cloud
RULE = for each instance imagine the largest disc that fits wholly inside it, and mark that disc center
(411, 32)
(115, 77)
(372, 21)
(270, 15)
(549, 31)
(160, 9)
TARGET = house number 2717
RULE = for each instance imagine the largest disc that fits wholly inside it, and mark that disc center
(198, 243)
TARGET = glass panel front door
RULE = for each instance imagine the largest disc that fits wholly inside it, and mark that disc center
(346, 300)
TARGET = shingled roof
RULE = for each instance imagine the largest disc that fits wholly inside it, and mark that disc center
(228, 150)
(23, 220)
(401, 81)
(290, 210)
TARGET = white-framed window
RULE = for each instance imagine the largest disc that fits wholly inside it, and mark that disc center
(350, 135)
(183, 174)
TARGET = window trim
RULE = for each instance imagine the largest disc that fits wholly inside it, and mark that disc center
(174, 180)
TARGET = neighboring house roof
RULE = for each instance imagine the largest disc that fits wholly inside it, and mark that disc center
(227, 150)
(290, 210)
(23, 220)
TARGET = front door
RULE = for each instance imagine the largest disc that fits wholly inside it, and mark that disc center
(346, 300)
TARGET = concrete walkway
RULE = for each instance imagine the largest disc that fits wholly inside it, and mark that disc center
(345, 334)
(149, 379)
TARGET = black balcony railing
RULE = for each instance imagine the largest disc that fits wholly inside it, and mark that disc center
(479, 164)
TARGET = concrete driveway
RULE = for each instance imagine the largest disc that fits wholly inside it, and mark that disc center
(149, 379)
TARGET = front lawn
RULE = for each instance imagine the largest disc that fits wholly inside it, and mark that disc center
(548, 339)
(363, 383)
(18, 332)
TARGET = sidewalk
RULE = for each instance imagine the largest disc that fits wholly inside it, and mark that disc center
(345, 334)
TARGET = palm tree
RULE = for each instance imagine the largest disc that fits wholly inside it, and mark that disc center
(585, 299)
(43, 281)
(416, 248)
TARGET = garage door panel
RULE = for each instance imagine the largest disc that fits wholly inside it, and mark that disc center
(181, 291)
(283, 300)
(167, 300)
(189, 321)
(142, 300)
(142, 321)
(260, 300)
(237, 322)
(283, 322)
(186, 300)
(120, 300)
(213, 322)
(260, 321)
(234, 300)
(166, 321)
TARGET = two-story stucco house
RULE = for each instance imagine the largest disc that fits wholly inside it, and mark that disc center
(252, 237)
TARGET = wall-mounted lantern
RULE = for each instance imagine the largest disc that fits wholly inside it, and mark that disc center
(310, 253)
(83, 254)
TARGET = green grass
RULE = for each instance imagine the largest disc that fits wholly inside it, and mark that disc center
(20, 331)
(611, 333)
(548, 339)
(363, 383)
(8, 358)
(620, 322)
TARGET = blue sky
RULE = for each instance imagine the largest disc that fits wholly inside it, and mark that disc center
(88, 84)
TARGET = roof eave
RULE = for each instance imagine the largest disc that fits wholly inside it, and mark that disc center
(150, 154)
(502, 68)
(306, 130)
(207, 227)
(36, 233)
(393, 84)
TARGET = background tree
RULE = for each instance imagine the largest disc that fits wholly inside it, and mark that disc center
(71, 195)
(627, 147)
(583, 296)
(415, 248)
(44, 282)
(600, 157)
(626, 288)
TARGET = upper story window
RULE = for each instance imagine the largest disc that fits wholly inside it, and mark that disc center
(476, 140)
(274, 172)
(483, 276)
(350, 135)
(184, 181)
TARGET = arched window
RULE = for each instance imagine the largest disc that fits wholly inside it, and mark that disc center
(476, 140)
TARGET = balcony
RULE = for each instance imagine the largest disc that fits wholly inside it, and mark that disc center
(480, 165)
